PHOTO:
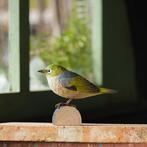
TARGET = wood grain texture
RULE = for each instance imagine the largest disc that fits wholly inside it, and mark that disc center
(91, 133)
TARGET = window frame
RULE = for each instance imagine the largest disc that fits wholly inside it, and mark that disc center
(26, 104)
(26, 100)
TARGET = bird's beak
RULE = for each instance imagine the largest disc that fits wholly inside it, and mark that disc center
(42, 71)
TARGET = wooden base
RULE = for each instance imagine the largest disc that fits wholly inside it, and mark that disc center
(86, 135)
(66, 116)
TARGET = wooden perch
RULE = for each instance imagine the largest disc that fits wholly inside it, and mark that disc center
(66, 116)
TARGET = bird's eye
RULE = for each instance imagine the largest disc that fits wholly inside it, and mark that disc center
(49, 71)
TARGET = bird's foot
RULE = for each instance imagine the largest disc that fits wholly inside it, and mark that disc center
(63, 104)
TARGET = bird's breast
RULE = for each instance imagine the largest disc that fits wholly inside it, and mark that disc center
(57, 88)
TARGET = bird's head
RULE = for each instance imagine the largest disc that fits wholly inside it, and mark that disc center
(52, 70)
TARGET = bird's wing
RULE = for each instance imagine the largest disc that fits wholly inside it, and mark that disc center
(75, 82)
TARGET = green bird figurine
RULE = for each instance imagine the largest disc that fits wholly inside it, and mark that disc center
(70, 85)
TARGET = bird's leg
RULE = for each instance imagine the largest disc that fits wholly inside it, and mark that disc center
(67, 103)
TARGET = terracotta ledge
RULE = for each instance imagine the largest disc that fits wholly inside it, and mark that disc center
(92, 133)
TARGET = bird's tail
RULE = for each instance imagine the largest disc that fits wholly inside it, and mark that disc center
(107, 91)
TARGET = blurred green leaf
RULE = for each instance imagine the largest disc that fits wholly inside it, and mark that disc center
(71, 49)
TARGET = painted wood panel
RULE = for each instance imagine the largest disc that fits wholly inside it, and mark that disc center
(86, 135)
(14, 46)
(91, 133)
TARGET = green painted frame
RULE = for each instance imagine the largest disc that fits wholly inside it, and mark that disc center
(97, 40)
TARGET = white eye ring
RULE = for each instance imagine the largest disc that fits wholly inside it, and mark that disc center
(49, 71)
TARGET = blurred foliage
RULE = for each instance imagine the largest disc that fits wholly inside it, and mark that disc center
(72, 49)
(34, 3)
